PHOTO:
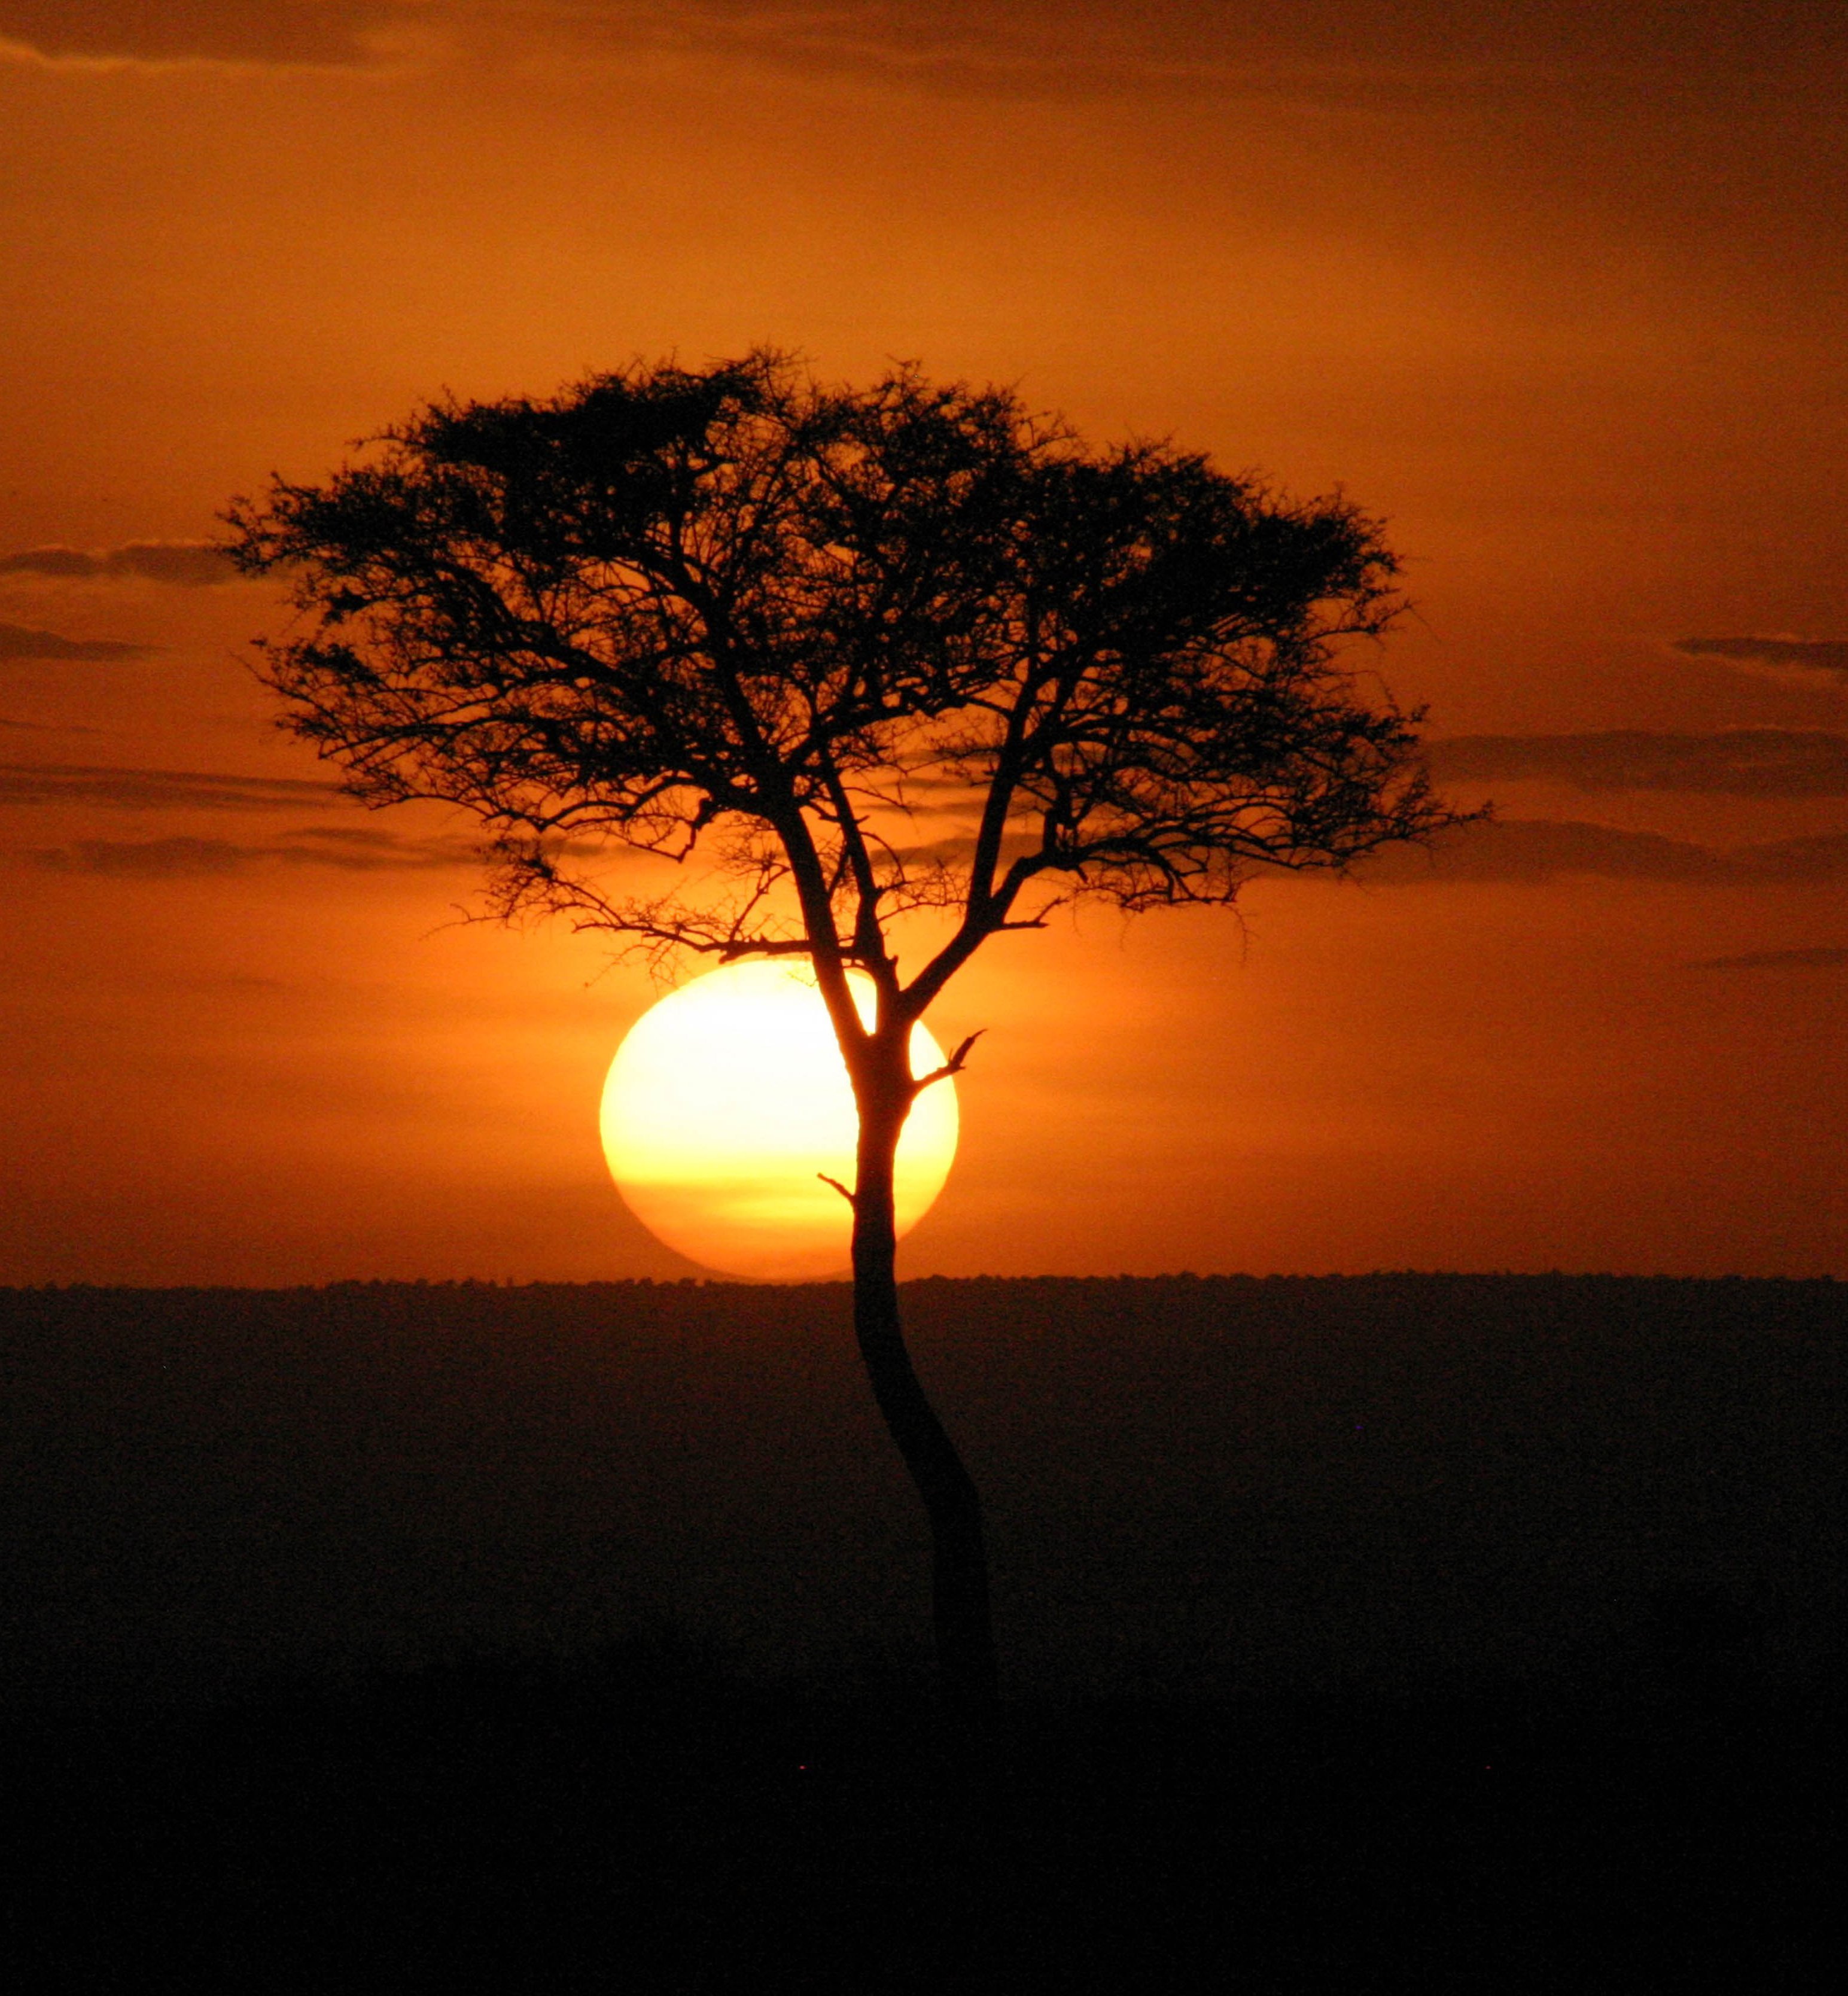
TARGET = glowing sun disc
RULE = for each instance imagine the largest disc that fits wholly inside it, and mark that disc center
(727, 1098)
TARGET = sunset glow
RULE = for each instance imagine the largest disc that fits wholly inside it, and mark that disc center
(1553, 291)
(1277, 570)
(725, 1101)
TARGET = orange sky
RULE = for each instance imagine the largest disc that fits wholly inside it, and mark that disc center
(1560, 297)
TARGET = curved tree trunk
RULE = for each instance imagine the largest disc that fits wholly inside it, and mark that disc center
(965, 1647)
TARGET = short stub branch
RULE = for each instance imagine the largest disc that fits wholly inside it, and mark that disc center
(954, 1064)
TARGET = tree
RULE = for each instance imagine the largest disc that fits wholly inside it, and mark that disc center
(858, 660)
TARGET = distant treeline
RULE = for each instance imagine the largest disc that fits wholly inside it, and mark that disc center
(1411, 1485)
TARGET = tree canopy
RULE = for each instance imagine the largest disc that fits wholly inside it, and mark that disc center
(863, 652)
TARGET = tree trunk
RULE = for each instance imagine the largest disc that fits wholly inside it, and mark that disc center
(966, 1646)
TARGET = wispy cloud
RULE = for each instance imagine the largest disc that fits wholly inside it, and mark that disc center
(355, 850)
(1341, 52)
(157, 790)
(1828, 958)
(1802, 659)
(1537, 850)
(1754, 762)
(1786, 860)
(1347, 49)
(193, 564)
(950, 43)
(20, 641)
(1035, 49)
(271, 33)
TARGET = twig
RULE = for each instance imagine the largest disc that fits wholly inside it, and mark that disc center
(953, 1066)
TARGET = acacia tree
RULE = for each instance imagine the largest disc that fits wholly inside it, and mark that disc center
(847, 657)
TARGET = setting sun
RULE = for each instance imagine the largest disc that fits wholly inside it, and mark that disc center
(725, 1101)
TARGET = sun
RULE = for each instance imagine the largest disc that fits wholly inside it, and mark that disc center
(729, 1096)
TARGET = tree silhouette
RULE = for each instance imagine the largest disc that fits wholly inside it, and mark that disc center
(847, 657)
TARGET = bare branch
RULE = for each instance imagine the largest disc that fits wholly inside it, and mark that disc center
(953, 1066)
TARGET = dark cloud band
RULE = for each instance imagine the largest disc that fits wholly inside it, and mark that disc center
(1827, 656)
(1516, 850)
(157, 789)
(1827, 958)
(1341, 50)
(355, 851)
(19, 641)
(319, 33)
(1755, 762)
(192, 564)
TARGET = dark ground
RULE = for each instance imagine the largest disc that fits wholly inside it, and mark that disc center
(1401, 1633)
(467, 1832)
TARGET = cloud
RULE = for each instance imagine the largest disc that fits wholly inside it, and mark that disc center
(143, 860)
(1790, 860)
(1535, 850)
(19, 641)
(949, 43)
(191, 563)
(928, 40)
(319, 33)
(1346, 50)
(157, 790)
(355, 850)
(1806, 659)
(1532, 849)
(1371, 56)
(1824, 958)
(1752, 762)
(1030, 49)
(361, 849)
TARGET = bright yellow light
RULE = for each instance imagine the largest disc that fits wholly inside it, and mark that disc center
(729, 1095)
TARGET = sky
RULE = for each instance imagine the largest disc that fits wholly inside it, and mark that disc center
(1556, 292)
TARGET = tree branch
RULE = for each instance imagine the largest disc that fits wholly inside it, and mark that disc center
(953, 1066)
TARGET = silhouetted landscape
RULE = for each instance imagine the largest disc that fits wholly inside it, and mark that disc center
(1362, 1631)
(524, 522)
